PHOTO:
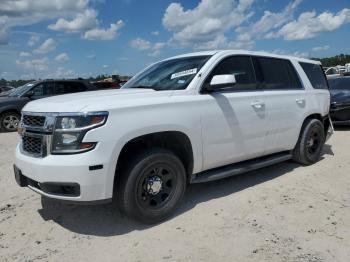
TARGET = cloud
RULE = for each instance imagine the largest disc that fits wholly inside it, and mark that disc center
(91, 56)
(157, 48)
(73, 17)
(28, 12)
(309, 25)
(46, 47)
(320, 48)
(24, 54)
(82, 22)
(104, 34)
(33, 40)
(263, 28)
(62, 73)
(105, 66)
(62, 58)
(155, 33)
(23, 7)
(3, 31)
(206, 24)
(34, 64)
(142, 45)
(290, 53)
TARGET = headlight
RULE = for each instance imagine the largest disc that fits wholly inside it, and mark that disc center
(70, 130)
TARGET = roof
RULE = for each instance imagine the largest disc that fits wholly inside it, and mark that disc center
(245, 52)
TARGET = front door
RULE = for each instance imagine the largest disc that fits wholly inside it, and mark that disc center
(234, 119)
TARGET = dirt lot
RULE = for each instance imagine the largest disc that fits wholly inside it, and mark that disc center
(280, 213)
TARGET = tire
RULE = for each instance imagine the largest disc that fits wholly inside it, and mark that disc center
(152, 186)
(9, 121)
(309, 147)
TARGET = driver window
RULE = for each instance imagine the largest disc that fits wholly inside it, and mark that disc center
(241, 67)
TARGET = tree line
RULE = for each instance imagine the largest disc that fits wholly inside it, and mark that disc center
(20, 82)
(341, 59)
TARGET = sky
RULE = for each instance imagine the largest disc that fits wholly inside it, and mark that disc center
(83, 38)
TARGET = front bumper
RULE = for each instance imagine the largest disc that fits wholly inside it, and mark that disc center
(65, 177)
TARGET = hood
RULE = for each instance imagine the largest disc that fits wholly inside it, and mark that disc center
(7, 100)
(95, 100)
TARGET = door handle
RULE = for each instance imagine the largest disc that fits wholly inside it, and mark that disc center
(300, 101)
(258, 104)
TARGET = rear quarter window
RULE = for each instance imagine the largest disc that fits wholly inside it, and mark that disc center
(316, 75)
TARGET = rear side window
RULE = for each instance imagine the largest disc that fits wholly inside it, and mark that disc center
(315, 74)
(241, 67)
(276, 74)
(69, 87)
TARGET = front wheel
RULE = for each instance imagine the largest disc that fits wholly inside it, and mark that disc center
(309, 147)
(9, 121)
(151, 186)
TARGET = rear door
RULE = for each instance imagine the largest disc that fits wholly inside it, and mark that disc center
(285, 102)
(234, 120)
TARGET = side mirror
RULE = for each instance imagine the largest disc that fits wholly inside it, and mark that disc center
(221, 81)
(29, 94)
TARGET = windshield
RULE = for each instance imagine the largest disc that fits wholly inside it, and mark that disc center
(172, 74)
(19, 91)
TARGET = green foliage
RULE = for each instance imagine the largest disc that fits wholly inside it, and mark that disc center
(334, 61)
(14, 83)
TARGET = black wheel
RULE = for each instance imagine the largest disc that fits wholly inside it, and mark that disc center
(310, 144)
(9, 121)
(151, 186)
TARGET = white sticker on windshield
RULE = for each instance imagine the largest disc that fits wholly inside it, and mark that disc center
(184, 73)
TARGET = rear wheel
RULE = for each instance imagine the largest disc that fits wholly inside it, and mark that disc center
(9, 121)
(310, 144)
(151, 186)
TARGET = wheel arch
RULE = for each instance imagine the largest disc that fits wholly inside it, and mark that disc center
(175, 141)
(9, 109)
(324, 120)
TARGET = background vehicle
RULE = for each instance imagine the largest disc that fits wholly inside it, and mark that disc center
(12, 103)
(106, 85)
(340, 100)
(188, 119)
(4, 89)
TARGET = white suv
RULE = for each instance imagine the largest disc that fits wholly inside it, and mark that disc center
(188, 119)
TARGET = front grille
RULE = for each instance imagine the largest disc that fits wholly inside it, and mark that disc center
(32, 145)
(35, 121)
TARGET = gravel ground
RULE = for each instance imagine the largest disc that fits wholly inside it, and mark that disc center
(281, 213)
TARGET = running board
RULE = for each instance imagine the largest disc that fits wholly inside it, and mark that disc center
(239, 168)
